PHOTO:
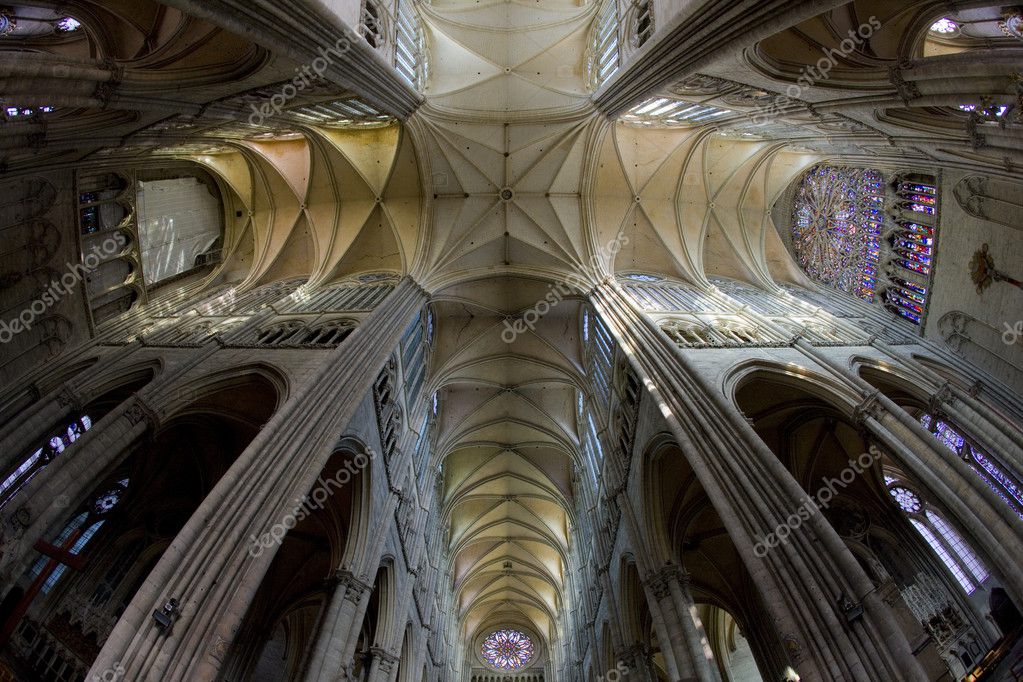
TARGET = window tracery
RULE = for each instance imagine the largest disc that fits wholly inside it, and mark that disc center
(957, 556)
(945, 26)
(281, 334)
(33, 23)
(603, 57)
(372, 26)
(687, 333)
(843, 238)
(508, 650)
(340, 298)
(641, 22)
(410, 54)
(329, 334)
(1012, 22)
(669, 296)
(298, 333)
(38, 460)
(837, 228)
(906, 499)
(998, 479)
(102, 504)
(414, 347)
(17, 112)
(670, 111)
(600, 350)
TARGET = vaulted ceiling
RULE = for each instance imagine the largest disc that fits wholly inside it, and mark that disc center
(505, 182)
(509, 438)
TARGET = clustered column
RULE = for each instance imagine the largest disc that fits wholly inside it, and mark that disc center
(803, 582)
(670, 587)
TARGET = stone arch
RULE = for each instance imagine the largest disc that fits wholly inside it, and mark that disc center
(145, 489)
(838, 463)
(310, 544)
(999, 201)
(193, 394)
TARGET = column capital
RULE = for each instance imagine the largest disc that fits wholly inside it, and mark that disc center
(635, 655)
(975, 389)
(140, 411)
(907, 90)
(869, 408)
(387, 660)
(660, 581)
(68, 397)
(353, 587)
(942, 400)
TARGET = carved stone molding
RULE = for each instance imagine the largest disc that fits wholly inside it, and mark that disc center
(942, 400)
(660, 581)
(870, 408)
(976, 388)
(139, 411)
(635, 657)
(907, 90)
(67, 397)
(354, 588)
(388, 661)
(793, 648)
(218, 649)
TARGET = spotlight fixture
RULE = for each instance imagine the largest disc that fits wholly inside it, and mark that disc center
(853, 611)
(165, 618)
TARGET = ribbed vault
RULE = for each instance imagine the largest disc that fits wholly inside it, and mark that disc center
(508, 436)
(327, 204)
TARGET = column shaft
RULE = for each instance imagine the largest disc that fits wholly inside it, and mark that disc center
(801, 580)
(208, 566)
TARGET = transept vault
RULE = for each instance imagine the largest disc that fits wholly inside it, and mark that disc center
(518, 353)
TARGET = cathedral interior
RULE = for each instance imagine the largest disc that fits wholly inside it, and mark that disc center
(511, 340)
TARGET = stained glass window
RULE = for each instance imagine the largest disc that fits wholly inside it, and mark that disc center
(944, 540)
(988, 112)
(1004, 485)
(906, 499)
(62, 540)
(955, 541)
(944, 26)
(604, 61)
(508, 649)
(68, 25)
(945, 557)
(837, 224)
(13, 112)
(35, 462)
(413, 357)
(839, 216)
(641, 277)
(600, 350)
